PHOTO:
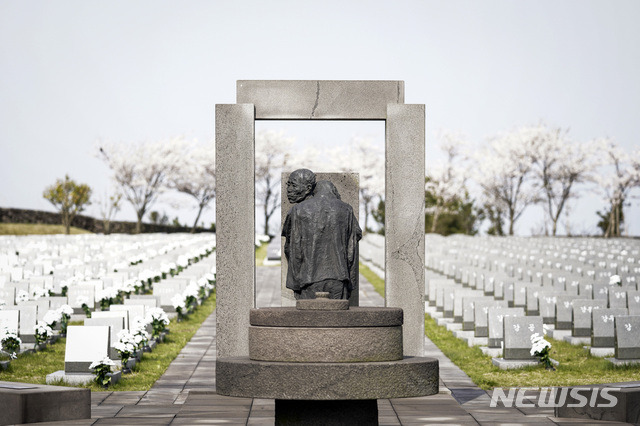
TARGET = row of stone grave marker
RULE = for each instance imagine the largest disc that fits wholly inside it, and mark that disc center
(159, 256)
(473, 286)
(98, 338)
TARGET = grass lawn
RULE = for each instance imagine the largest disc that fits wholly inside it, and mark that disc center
(33, 368)
(577, 366)
(376, 281)
(261, 254)
(36, 229)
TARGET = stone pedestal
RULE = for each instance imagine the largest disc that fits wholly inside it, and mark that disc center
(326, 366)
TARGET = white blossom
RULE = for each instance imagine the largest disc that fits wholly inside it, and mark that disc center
(65, 310)
(51, 317)
(104, 361)
(178, 301)
(157, 314)
(538, 344)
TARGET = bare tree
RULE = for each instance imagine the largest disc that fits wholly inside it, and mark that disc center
(109, 206)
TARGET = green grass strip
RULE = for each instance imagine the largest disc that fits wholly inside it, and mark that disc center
(36, 229)
(34, 367)
(577, 366)
(376, 281)
(261, 254)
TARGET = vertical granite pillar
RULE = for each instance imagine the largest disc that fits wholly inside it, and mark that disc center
(235, 223)
(404, 219)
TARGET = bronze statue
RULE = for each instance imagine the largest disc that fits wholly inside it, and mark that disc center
(322, 235)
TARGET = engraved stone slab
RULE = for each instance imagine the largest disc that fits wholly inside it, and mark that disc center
(481, 315)
(582, 310)
(627, 337)
(617, 298)
(496, 318)
(633, 302)
(517, 336)
(468, 310)
(603, 335)
(135, 312)
(564, 312)
(166, 289)
(80, 292)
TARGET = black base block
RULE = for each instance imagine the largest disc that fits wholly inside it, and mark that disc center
(329, 413)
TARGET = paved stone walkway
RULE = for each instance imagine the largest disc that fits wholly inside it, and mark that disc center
(185, 394)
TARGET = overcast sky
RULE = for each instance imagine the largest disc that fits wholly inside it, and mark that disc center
(74, 72)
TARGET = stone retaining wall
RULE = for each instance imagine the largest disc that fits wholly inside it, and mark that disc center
(12, 215)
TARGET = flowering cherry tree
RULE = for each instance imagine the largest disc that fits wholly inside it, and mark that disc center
(195, 175)
(558, 166)
(504, 172)
(622, 176)
(363, 157)
(273, 152)
(141, 170)
(446, 180)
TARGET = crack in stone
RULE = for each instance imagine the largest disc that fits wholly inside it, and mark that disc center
(398, 94)
(409, 252)
(315, 106)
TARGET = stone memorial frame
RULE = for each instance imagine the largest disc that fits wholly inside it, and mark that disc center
(235, 206)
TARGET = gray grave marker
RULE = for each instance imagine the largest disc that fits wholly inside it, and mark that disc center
(627, 337)
(617, 298)
(564, 312)
(582, 311)
(603, 335)
(633, 302)
(517, 336)
(496, 324)
(481, 315)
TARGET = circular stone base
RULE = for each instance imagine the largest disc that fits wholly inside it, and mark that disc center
(331, 344)
(353, 317)
(409, 377)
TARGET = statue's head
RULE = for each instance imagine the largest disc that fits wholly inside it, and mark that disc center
(326, 188)
(300, 185)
